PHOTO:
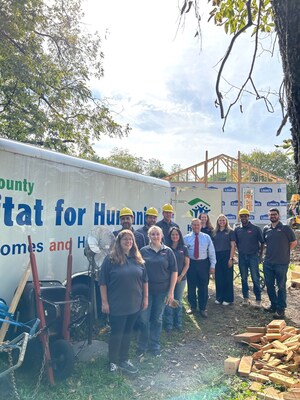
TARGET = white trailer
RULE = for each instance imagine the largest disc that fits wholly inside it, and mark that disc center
(53, 197)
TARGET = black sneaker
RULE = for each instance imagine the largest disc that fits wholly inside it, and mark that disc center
(128, 367)
(113, 368)
(156, 353)
(280, 314)
(270, 309)
(140, 353)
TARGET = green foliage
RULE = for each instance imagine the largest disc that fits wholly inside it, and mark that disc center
(46, 62)
(276, 162)
(155, 168)
(122, 158)
(233, 15)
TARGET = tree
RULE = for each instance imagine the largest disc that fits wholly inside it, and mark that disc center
(155, 168)
(275, 162)
(121, 158)
(46, 63)
(262, 16)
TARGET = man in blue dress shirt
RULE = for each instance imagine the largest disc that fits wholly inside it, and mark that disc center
(202, 263)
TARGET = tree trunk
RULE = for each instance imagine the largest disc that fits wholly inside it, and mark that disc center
(286, 16)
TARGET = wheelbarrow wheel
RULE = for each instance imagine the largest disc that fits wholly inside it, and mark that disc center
(62, 359)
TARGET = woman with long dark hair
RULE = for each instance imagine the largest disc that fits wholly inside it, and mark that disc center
(206, 225)
(124, 293)
(224, 242)
(173, 316)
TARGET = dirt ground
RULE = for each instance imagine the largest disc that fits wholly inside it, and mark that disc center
(193, 368)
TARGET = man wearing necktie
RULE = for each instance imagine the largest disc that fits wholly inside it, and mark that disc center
(202, 263)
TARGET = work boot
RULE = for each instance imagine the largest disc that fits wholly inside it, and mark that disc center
(204, 313)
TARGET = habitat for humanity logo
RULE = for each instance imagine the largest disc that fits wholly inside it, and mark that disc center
(199, 206)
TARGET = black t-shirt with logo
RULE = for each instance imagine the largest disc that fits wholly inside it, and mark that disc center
(248, 238)
(222, 240)
(124, 285)
(278, 241)
(159, 266)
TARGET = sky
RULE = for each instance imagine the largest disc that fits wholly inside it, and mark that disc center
(161, 81)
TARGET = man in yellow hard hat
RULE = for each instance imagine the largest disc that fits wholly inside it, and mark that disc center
(150, 220)
(126, 220)
(166, 223)
(250, 245)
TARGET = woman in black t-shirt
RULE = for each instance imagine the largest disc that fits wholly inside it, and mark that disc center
(124, 293)
(173, 316)
(161, 268)
(224, 241)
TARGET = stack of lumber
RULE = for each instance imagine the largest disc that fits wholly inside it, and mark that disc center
(275, 361)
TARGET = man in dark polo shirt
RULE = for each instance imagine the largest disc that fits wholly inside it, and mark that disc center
(150, 220)
(166, 223)
(249, 242)
(279, 240)
(126, 220)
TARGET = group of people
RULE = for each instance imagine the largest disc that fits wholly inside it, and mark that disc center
(142, 281)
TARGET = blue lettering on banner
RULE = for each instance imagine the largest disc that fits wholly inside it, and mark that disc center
(231, 216)
(251, 216)
(234, 203)
(283, 203)
(173, 189)
(279, 190)
(229, 189)
(273, 203)
(257, 203)
(212, 187)
(223, 203)
(265, 190)
(264, 217)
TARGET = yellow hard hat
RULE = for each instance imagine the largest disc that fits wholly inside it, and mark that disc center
(244, 211)
(168, 208)
(126, 211)
(152, 211)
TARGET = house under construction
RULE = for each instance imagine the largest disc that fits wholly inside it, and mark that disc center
(241, 184)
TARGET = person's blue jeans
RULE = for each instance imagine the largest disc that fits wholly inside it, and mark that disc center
(250, 262)
(151, 322)
(173, 316)
(276, 273)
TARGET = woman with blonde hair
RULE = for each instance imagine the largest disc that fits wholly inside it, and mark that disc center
(224, 241)
(161, 268)
(124, 293)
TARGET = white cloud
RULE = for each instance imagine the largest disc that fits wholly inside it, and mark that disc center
(164, 87)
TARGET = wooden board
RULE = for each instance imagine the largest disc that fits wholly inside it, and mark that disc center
(283, 380)
(295, 275)
(254, 376)
(248, 337)
(277, 323)
(258, 329)
(15, 300)
(231, 365)
(245, 366)
(295, 283)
